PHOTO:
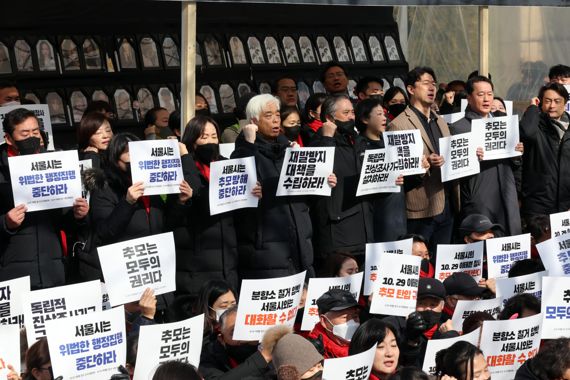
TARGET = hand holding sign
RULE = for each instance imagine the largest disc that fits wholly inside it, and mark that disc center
(15, 217)
(135, 192)
(185, 192)
(80, 208)
(436, 160)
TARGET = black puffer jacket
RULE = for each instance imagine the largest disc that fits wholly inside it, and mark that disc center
(546, 165)
(274, 239)
(206, 246)
(35, 248)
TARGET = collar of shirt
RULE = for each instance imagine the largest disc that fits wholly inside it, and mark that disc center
(423, 118)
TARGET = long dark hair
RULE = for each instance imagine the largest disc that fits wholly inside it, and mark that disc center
(208, 294)
(312, 103)
(369, 334)
(36, 356)
(118, 179)
(194, 129)
(456, 361)
(89, 124)
(175, 370)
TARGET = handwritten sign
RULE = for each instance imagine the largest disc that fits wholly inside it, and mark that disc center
(373, 253)
(555, 307)
(45, 181)
(231, 184)
(503, 252)
(530, 283)
(500, 136)
(397, 289)
(267, 303)
(452, 258)
(352, 367)
(11, 306)
(42, 113)
(131, 266)
(88, 346)
(305, 171)
(375, 175)
(460, 154)
(156, 163)
(180, 341)
(404, 150)
(319, 286)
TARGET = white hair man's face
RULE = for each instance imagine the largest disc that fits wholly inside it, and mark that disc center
(269, 121)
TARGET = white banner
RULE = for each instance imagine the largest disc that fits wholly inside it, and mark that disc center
(42, 113)
(11, 305)
(397, 288)
(530, 283)
(500, 136)
(181, 341)
(46, 180)
(231, 184)
(305, 171)
(436, 345)
(156, 163)
(131, 266)
(60, 302)
(227, 149)
(375, 176)
(405, 150)
(508, 344)
(464, 309)
(319, 286)
(555, 255)
(373, 253)
(460, 154)
(9, 349)
(451, 118)
(560, 224)
(503, 252)
(555, 307)
(266, 303)
(89, 346)
(354, 367)
(453, 258)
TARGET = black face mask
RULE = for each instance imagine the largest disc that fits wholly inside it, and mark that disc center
(241, 352)
(396, 109)
(316, 376)
(499, 114)
(377, 96)
(203, 112)
(292, 132)
(345, 127)
(30, 145)
(431, 317)
(207, 152)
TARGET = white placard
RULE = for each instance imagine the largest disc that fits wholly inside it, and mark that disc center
(266, 303)
(452, 258)
(227, 149)
(375, 175)
(396, 290)
(560, 224)
(180, 341)
(11, 305)
(503, 252)
(357, 366)
(460, 154)
(84, 165)
(451, 118)
(61, 302)
(436, 345)
(373, 253)
(231, 184)
(46, 180)
(105, 304)
(319, 286)
(42, 113)
(9, 349)
(464, 309)
(88, 346)
(555, 255)
(530, 283)
(131, 266)
(406, 149)
(157, 164)
(555, 307)
(508, 344)
(499, 136)
(305, 171)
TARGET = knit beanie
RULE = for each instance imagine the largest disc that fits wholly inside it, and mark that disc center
(294, 350)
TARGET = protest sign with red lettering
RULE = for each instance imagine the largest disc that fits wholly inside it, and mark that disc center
(452, 258)
(373, 253)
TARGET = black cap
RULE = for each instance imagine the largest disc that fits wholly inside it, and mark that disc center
(477, 223)
(463, 284)
(431, 287)
(336, 300)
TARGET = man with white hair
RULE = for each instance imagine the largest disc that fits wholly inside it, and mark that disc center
(274, 240)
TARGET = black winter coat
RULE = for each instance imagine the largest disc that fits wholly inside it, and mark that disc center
(493, 191)
(343, 221)
(546, 165)
(274, 239)
(35, 248)
(525, 372)
(206, 246)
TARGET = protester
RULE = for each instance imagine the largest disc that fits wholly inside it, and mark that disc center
(460, 286)
(286, 90)
(140, 313)
(375, 332)
(201, 105)
(475, 321)
(30, 242)
(93, 137)
(498, 107)
(461, 361)
(395, 102)
(156, 124)
(174, 123)
(9, 94)
(476, 227)
(38, 362)
(176, 370)
(311, 117)
(520, 306)
(291, 124)
(410, 373)
(369, 87)
(214, 298)
(341, 264)
(551, 363)
(559, 74)
(335, 79)
(100, 106)
(231, 132)
(492, 192)
(296, 358)
(420, 249)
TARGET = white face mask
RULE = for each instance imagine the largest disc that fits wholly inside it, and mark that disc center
(12, 103)
(219, 313)
(345, 330)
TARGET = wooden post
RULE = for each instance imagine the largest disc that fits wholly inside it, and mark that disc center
(188, 66)
(484, 40)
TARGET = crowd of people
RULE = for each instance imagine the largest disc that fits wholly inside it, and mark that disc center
(325, 236)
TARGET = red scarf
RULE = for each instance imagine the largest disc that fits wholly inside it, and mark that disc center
(332, 349)
(299, 141)
(449, 311)
(315, 125)
(429, 333)
(145, 199)
(204, 170)
(12, 152)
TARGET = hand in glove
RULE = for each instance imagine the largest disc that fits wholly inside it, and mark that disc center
(415, 326)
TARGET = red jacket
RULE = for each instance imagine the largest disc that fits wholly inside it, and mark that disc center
(332, 349)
